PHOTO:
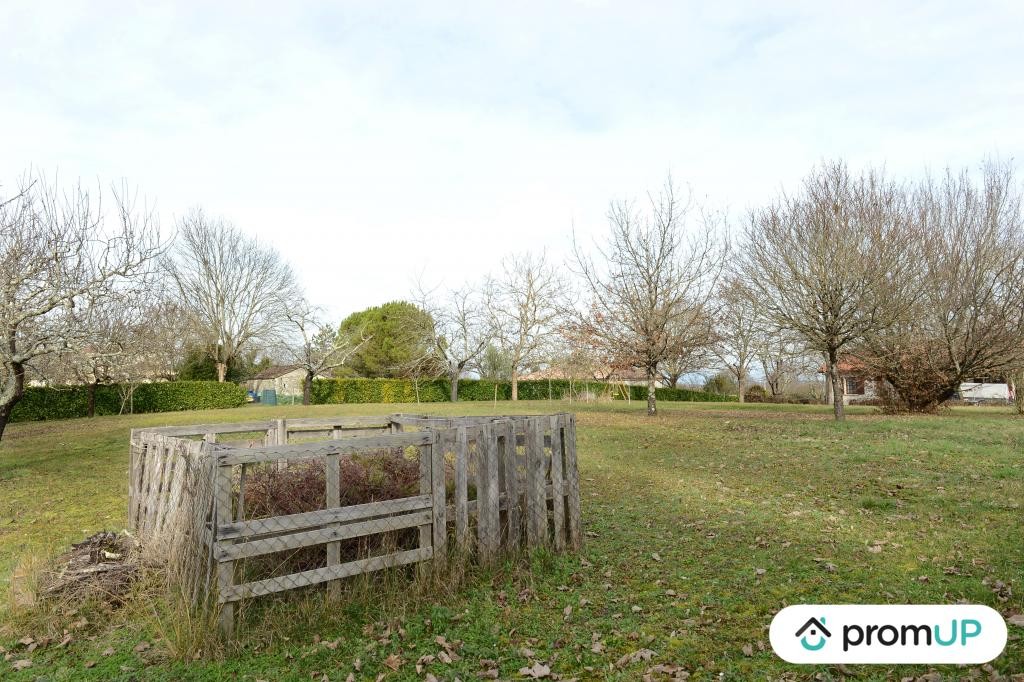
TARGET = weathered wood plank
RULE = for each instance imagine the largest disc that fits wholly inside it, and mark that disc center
(510, 464)
(557, 484)
(233, 455)
(332, 535)
(536, 503)
(320, 575)
(440, 521)
(572, 475)
(426, 488)
(225, 570)
(333, 500)
(462, 539)
(488, 515)
(311, 520)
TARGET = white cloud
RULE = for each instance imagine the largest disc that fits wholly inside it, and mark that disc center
(371, 141)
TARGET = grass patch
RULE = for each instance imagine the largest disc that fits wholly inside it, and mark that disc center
(876, 510)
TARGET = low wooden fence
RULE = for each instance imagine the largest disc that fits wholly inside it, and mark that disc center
(486, 485)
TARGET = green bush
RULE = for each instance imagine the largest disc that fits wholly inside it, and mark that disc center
(754, 394)
(335, 391)
(680, 395)
(67, 402)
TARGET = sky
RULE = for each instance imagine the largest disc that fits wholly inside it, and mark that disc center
(377, 143)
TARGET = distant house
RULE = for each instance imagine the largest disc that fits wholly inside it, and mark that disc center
(858, 387)
(286, 380)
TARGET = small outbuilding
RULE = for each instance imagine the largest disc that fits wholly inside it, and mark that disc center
(286, 380)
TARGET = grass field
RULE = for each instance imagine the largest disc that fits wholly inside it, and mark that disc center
(701, 524)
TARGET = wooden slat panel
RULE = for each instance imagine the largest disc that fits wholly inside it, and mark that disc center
(231, 455)
(511, 467)
(440, 522)
(557, 484)
(426, 489)
(320, 575)
(315, 519)
(572, 475)
(226, 551)
(202, 429)
(333, 499)
(462, 539)
(536, 504)
(225, 570)
(488, 515)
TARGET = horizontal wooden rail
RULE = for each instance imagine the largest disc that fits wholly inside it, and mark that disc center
(315, 519)
(226, 455)
(322, 575)
(321, 536)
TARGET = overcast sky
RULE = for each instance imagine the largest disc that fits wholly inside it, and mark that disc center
(371, 141)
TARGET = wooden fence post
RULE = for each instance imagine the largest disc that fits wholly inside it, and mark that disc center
(440, 535)
(572, 475)
(513, 517)
(225, 569)
(462, 539)
(536, 497)
(557, 488)
(487, 511)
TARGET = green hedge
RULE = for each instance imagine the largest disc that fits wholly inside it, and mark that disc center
(66, 402)
(333, 391)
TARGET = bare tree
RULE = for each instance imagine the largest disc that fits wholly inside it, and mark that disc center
(317, 347)
(650, 285)
(834, 262)
(691, 346)
(969, 322)
(783, 359)
(736, 331)
(461, 330)
(524, 304)
(235, 288)
(59, 261)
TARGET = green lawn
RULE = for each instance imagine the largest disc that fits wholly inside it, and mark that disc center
(701, 524)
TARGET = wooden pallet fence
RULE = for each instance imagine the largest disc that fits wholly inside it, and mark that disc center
(515, 484)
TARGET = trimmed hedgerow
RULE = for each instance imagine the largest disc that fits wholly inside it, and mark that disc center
(333, 391)
(67, 402)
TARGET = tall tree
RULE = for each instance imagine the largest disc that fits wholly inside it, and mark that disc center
(396, 338)
(460, 332)
(61, 259)
(650, 283)
(736, 331)
(524, 303)
(969, 320)
(235, 288)
(833, 262)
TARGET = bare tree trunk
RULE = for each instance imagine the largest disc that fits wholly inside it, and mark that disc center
(222, 370)
(827, 394)
(739, 384)
(515, 385)
(12, 394)
(454, 396)
(837, 388)
(92, 399)
(652, 404)
(307, 389)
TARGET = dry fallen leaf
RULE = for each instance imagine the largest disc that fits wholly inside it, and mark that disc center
(109, 651)
(748, 650)
(537, 671)
(393, 662)
(22, 664)
(89, 664)
(1016, 619)
(141, 646)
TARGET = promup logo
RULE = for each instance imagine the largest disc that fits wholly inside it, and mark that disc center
(888, 634)
(817, 628)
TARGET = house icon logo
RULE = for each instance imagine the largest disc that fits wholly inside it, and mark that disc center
(817, 629)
